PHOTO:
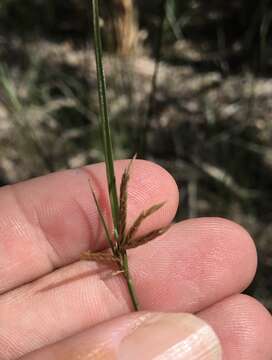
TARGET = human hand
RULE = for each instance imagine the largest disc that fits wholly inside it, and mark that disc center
(69, 309)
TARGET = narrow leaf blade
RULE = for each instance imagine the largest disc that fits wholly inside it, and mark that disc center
(107, 233)
(104, 118)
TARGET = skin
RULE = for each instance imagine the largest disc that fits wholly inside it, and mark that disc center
(199, 266)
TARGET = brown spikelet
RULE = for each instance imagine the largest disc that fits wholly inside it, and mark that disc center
(137, 223)
(123, 203)
(133, 243)
(123, 206)
(103, 256)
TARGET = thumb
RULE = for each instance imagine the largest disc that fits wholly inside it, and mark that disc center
(171, 336)
(145, 336)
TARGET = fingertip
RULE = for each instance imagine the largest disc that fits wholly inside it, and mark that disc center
(234, 247)
(244, 326)
(242, 248)
(157, 181)
(211, 257)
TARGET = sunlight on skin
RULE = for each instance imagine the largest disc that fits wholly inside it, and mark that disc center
(188, 269)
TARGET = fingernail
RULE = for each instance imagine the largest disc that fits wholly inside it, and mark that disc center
(171, 336)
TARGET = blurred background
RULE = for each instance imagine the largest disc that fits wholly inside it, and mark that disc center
(189, 87)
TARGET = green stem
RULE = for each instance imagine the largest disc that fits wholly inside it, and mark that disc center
(130, 285)
(108, 153)
(104, 118)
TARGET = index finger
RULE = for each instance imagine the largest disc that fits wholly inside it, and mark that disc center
(49, 221)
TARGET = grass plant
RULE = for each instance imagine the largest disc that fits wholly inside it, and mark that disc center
(29, 108)
(122, 238)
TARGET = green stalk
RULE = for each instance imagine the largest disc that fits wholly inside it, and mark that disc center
(104, 118)
(130, 286)
(118, 252)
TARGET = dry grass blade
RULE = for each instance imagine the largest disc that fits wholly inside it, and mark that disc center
(146, 213)
(133, 243)
(102, 256)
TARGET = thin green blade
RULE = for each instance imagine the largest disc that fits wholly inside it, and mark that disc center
(104, 118)
(107, 233)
